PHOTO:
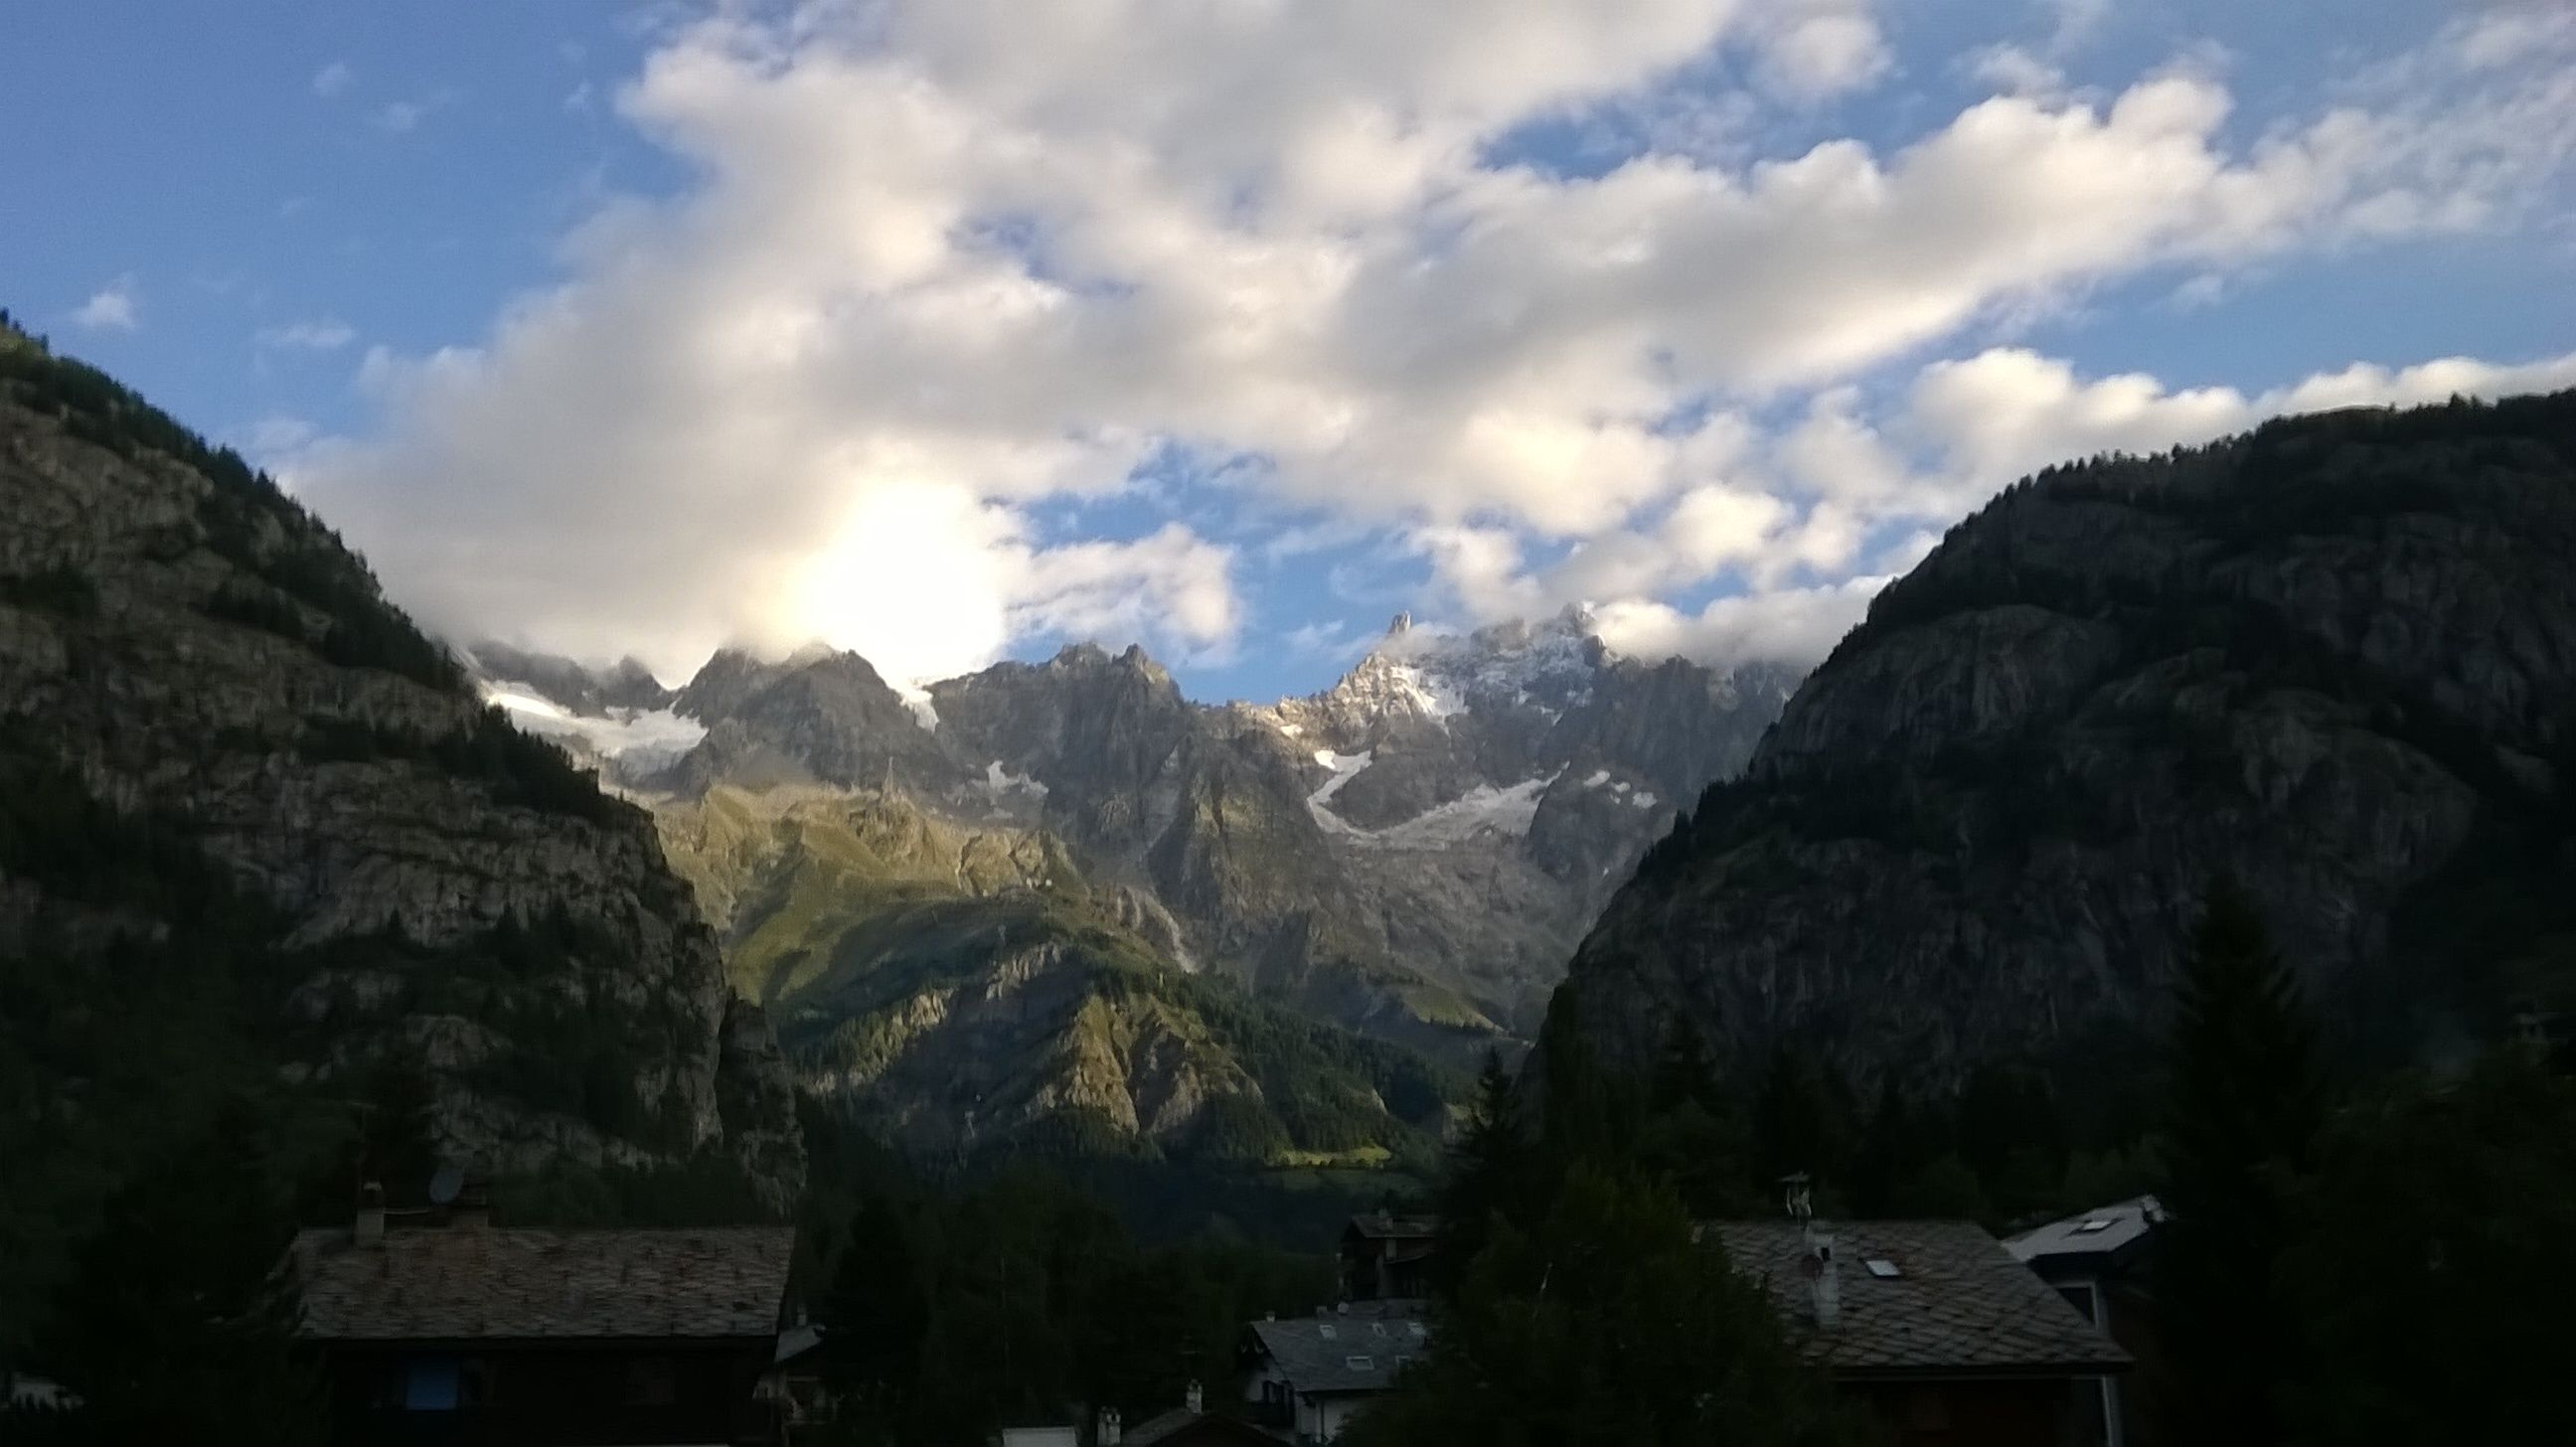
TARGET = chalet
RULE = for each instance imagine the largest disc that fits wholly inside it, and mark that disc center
(1387, 1257)
(1933, 1324)
(1308, 1375)
(468, 1333)
(2098, 1262)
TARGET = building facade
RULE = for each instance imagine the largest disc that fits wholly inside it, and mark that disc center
(469, 1334)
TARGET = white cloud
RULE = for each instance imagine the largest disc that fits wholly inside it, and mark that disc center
(1796, 626)
(324, 334)
(333, 79)
(401, 116)
(115, 307)
(1826, 49)
(947, 262)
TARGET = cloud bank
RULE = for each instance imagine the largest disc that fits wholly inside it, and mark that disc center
(952, 271)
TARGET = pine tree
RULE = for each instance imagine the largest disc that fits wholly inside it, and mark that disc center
(1489, 1170)
(2242, 1129)
(1695, 1133)
(1603, 1322)
(172, 1326)
(2439, 1254)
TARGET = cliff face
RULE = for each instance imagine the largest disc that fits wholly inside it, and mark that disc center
(2335, 659)
(220, 743)
(979, 912)
(1412, 852)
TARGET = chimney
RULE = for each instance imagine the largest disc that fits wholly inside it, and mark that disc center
(473, 1208)
(1824, 1277)
(1109, 1432)
(1194, 1400)
(369, 1229)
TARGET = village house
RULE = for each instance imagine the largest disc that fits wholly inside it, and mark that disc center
(2098, 1261)
(1309, 1375)
(1388, 1257)
(467, 1333)
(1947, 1338)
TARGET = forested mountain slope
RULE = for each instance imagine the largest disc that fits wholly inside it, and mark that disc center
(2334, 658)
(258, 836)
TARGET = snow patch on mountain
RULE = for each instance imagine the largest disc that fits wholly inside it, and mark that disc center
(999, 781)
(1483, 809)
(917, 698)
(1344, 766)
(639, 739)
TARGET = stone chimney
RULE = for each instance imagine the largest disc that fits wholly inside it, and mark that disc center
(369, 1229)
(1110, 1431)
(1824, 1276)
(1194, 1400)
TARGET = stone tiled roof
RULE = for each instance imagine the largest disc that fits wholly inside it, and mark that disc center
(493, 1283)
(1959, 1301)
(1355, 1352)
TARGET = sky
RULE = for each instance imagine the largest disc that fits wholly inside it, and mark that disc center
(956, 330)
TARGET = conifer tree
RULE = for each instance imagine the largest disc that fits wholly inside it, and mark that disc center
(1489, 1171)
(1604, 1322)
(2242, 1129)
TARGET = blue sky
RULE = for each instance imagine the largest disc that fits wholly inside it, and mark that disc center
(952, 332)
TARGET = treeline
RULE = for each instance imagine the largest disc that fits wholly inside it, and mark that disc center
(520, 768)
(2323, 473)
(1577, 1303)
(1012, 1298)
(2376, 1262)
(235, 517)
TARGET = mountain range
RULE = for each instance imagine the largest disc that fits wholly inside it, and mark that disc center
(1063, 892)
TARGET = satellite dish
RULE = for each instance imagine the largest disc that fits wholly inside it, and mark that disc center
(446, 1185)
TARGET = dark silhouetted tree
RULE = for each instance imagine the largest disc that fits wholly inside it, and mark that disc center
(2246, 1109)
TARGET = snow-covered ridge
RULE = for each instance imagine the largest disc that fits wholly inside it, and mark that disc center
(642, 739)
(1437, 674)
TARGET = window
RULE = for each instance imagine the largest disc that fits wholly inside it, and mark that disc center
(434, 1384)
(1360, 1364)
(1417, 1329)
(1326, 1331)
(2097, 1223)
(2079, 1295)
(1883, 1269)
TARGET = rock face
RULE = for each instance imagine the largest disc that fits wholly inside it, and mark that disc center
(281, 769)
(1410, 855)
(2335, 659)
(1413, 852)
